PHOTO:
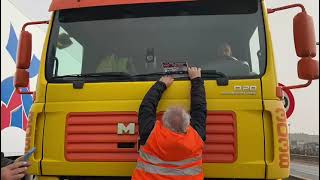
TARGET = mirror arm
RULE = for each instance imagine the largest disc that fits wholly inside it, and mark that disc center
(298, 86)
(18, 90)
(270, 10)
(33, 23)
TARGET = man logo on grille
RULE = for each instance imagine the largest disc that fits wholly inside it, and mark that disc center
(129, 129)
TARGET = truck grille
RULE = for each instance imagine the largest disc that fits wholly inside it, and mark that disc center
(92, 137)
(220, 146)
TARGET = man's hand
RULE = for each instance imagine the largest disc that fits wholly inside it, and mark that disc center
(168, 80)
(14, 171)
(194, 72)
(19, 159)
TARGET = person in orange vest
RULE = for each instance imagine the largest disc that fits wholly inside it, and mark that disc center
(171, 148)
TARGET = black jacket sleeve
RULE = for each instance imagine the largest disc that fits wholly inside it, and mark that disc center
(147, 111)
(198, 107)
(5, 161)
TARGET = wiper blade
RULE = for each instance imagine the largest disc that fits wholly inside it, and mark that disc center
(95, 76)
(105, 74)
(152, 74)
(67, 76)
(206, 73)
(163, 73)
(176, 75)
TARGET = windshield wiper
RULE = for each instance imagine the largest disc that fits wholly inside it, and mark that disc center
(108, 74)
(67, 76)
(222, 79)
(151, 74)
(78, 80)
(89, 75)
(176, 75)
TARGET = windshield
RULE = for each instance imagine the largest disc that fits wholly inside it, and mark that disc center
(136, 40)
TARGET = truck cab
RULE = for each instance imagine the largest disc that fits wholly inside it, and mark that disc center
(101, 57)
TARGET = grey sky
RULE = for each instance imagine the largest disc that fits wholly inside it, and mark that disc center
(306, 115)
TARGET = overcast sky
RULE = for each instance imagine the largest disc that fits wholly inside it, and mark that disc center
(306, 115)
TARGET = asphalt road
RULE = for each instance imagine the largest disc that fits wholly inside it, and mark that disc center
(304, 171)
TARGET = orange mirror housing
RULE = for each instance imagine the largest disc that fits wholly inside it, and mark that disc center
(304, 35)
(21, 78)
(308, 69)
(24, 50)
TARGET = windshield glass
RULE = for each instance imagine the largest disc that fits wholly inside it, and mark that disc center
(136, 40)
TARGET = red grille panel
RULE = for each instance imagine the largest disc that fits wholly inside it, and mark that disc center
(93, 137)
(221, 143)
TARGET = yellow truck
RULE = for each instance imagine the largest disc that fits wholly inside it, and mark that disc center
(100, 57)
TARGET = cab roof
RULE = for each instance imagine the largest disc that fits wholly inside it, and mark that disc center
(73, 4)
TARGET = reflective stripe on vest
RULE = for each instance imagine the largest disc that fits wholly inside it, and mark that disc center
(169, 171)
(155, 160)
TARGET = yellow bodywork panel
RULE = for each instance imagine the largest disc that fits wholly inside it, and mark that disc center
(114, 97)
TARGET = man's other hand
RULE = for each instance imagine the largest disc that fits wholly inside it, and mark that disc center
(14, 171)
(19, 159)
(167, 80)
(194, 72)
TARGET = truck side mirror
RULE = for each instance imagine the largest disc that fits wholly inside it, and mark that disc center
(23, 60)
(304, 35)
(305, 44)
(308, 69)
(21, 79)
(24, 50)
(64, 41)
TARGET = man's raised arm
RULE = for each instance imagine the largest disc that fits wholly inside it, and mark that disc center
(198, 102)
(147, 111)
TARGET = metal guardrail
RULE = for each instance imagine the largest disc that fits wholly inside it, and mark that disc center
(300, 155)
(304, 158)
(295, 177)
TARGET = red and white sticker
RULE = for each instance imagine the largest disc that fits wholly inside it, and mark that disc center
(288, 101)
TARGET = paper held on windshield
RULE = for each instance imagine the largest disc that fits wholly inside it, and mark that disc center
(175, 69)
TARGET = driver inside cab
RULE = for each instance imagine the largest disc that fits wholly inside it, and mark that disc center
(226, 52)
(226, 63)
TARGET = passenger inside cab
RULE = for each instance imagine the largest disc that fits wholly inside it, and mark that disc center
(114, 63)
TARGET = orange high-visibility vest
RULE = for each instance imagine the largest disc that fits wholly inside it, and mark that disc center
(168, 155)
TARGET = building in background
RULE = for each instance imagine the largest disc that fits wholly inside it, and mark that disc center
(304, 144)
